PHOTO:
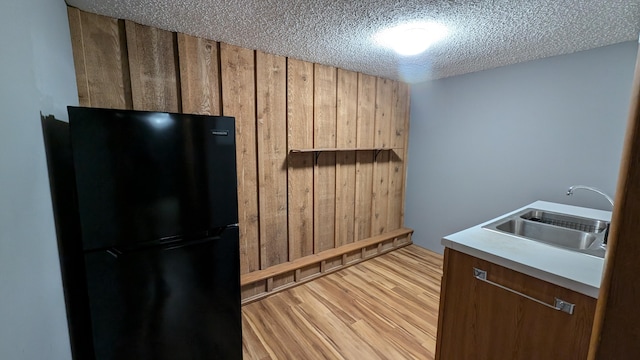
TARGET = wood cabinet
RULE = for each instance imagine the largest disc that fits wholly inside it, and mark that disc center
(480, 320)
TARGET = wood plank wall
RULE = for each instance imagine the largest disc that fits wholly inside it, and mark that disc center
(290, 206)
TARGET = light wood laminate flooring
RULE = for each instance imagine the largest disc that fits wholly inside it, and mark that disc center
(383, 308)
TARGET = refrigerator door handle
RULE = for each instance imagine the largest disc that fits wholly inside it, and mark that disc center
(189, 243)
(118, 253)
(215, 232)
(114, 252)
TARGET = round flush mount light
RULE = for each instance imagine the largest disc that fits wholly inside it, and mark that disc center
(411, 39)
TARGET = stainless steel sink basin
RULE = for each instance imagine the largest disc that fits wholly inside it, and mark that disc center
(566, 221)
(548, 233)
(562, 230)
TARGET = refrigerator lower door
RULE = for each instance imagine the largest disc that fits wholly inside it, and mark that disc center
(179, 301)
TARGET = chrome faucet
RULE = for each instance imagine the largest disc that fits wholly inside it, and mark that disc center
(575, 187)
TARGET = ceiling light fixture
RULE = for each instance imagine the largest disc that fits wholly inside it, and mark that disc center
(411, 39)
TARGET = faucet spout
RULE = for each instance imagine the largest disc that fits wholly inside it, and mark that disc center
(590, 188)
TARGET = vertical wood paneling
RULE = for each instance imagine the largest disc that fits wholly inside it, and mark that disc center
(324, 187)
(79, 59)
(289, 206)
(100, 60)
(199, 75)
(364, 159)
(300, 136)
(238, 100)
(153, 65)
(384, 91)
(347, 106)
(405, 95)
(396, 157)
(271, 76)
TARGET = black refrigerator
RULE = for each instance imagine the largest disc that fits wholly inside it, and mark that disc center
(157, 226)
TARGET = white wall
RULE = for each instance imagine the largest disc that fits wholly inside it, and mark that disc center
(489, 142)
(36, 72)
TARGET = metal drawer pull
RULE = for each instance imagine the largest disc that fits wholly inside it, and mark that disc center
(559, 305)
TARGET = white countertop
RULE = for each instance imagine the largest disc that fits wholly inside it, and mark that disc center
(570, 269)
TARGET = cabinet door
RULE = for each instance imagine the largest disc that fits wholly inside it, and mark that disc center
(482, 321)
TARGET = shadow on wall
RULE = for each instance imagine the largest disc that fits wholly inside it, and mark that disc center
(62, 183)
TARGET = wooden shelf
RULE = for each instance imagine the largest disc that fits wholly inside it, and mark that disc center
(317, 151)
(342, 149)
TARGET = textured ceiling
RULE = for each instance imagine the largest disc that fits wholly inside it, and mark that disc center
(483, 34)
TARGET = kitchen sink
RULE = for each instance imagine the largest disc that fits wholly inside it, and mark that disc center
(548, 233)
(566, 221)
(562, 230)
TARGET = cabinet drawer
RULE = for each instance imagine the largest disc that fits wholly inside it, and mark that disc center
(479, 320)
